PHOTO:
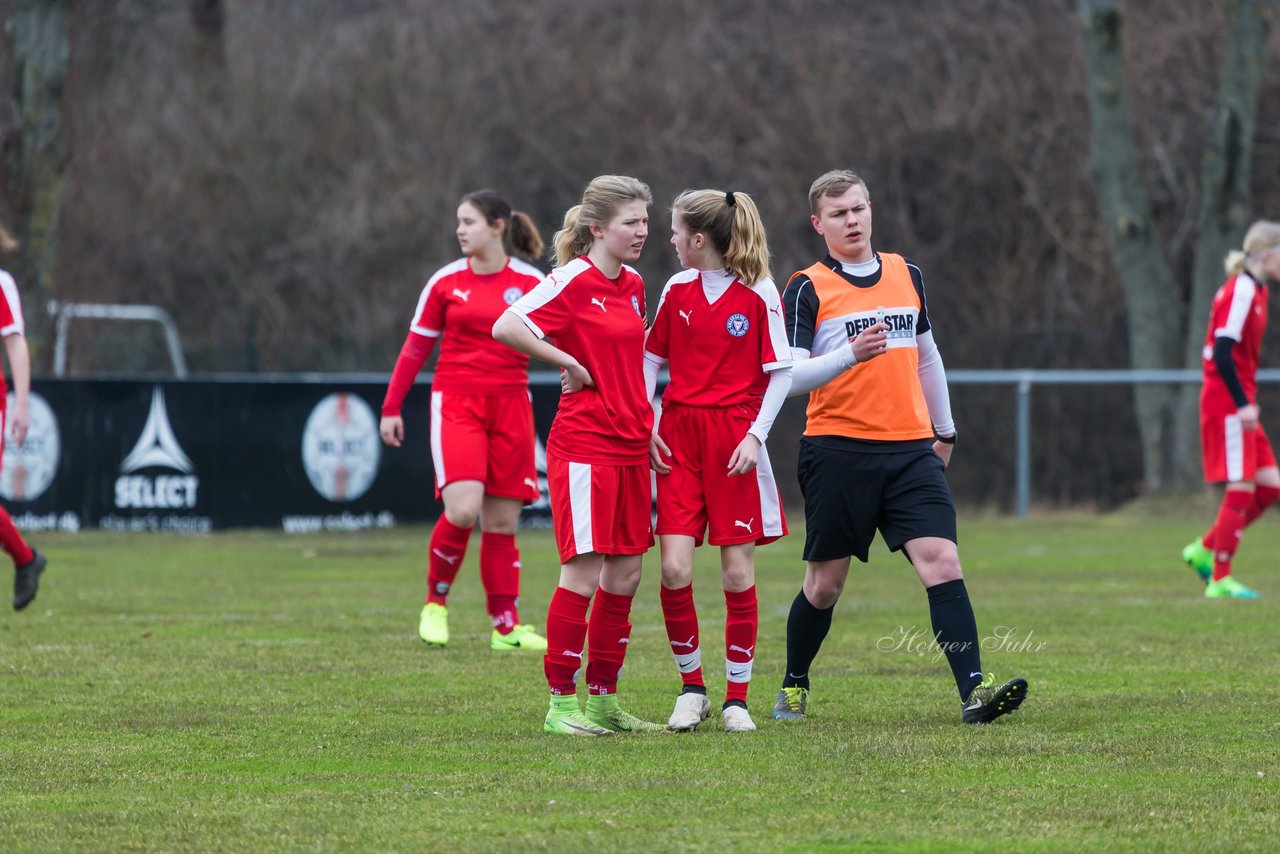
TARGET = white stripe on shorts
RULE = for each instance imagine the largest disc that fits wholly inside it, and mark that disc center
(1233, 435)
(437, 450)
(580, 506)
(770, 507)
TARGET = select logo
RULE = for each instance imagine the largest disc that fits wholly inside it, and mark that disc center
(157, 448)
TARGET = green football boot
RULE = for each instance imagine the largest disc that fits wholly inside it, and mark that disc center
(1196, 556)
(603, 710)
(433, 625)
(520, 637)
(564, 718)
(1228, 588)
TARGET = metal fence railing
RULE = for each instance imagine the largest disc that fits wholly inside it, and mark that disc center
(1025, 380)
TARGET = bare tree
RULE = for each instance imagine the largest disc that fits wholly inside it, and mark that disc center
(37, 30)
(1163, 332)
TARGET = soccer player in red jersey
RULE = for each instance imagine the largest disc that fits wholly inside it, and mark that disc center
(719, 331)
(482, 436)
(593, 307)
(1234, 444)
(28, 563)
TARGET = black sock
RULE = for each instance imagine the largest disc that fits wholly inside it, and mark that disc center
(694, 689)
(741, 704)
(956, 632)
(807, 627)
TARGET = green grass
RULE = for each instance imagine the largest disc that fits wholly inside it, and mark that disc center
(249, 692)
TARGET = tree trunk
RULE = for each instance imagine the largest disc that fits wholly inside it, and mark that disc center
(1154, 321)
(1225, 210)
(38, 31)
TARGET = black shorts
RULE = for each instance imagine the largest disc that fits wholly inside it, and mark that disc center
(850, 493)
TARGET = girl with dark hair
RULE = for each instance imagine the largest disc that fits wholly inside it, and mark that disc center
(482, 435)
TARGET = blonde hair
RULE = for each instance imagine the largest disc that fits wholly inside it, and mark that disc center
(1261, 236)
(600, 202)
(732, 223)
(7, 243)
(834, 183)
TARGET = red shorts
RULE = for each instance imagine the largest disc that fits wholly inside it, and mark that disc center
(600, 508)
(699, 494)
(1230, 453)
(485, 437)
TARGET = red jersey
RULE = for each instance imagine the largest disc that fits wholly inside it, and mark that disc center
(1240, 313)
(600, 322)
(720, 341)
(10, 315)
(466, 304)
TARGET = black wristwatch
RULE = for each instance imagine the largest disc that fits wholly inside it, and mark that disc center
(946, 440)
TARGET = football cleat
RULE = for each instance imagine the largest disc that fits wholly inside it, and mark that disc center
(736, 719)
(792, 704)
(989, 701)
(691, 709)
(564, 718)
(433, 625)
(1228, 588)
(26, 580)
(520, 637)
(603, 711)
(1196, 556)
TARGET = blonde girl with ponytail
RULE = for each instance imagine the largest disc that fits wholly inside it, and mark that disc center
(1234, 445)
(588, 318)
(719, 331)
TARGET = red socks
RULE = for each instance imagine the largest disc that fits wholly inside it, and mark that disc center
(11, 541)
(682, 632)
(448, 548)
(608, 635)
(566, 636)
(1263, 497)
(1232, 517)
(740, 625)
(500, 574)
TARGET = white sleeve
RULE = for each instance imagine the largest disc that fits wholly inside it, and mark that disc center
(1238, 313)
(808, 373)
(653, 364)
(933, 381)
(774, 396)
(12, 322)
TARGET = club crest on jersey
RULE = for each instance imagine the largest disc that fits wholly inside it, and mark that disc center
(635, 303)
(510, 295)
(737, 325)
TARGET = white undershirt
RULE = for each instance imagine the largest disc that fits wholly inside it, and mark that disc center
(716, 282)
(863, 268)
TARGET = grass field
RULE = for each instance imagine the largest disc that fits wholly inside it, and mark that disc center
(250, 691)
